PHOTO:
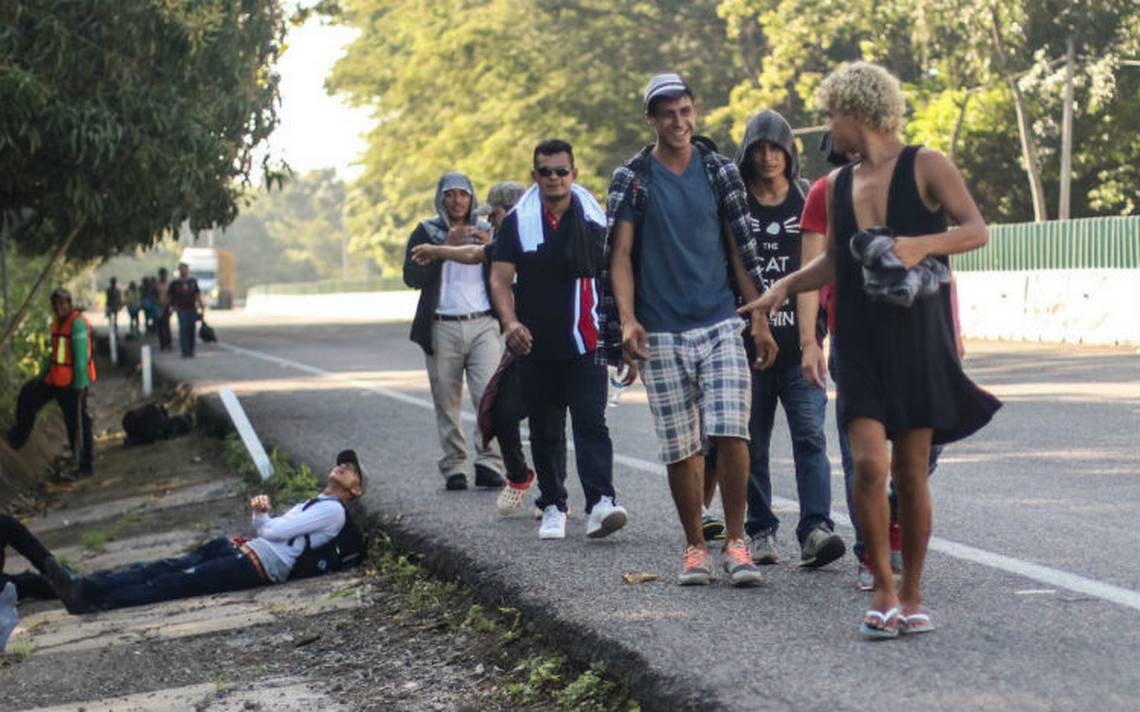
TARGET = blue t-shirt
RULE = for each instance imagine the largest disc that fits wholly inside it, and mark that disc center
(682, 275)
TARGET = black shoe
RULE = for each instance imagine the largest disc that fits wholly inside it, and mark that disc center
(66, 585)
(13, 438)
(486, 477)
(458, 481)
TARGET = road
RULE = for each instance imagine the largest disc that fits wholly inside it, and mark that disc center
(1034, 579)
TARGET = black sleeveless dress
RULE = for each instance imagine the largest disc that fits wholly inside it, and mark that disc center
(899, 365)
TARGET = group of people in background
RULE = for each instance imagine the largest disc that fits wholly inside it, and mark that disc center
(703, 275)
(153, 300)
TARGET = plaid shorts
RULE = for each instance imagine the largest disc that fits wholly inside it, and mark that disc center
(699, 386)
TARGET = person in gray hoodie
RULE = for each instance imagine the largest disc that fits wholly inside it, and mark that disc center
(457, 328)
(769, 163)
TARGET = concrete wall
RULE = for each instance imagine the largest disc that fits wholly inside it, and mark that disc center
(385, 306)
(1072, 306)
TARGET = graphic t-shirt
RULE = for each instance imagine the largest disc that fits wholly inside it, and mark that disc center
(777, 232)
(559, 309)
(184, 293)
(682, 274)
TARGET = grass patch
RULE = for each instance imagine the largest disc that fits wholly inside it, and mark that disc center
(17, 651)
(289, 484)
(534, 676)
(95, 540)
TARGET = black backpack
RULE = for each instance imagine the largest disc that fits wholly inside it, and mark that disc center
(342, 551)
(150, 422)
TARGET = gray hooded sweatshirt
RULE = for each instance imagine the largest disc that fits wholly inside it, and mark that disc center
(771, 127)
(428, 278)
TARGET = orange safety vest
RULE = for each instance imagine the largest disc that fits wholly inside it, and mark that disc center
(62, 359)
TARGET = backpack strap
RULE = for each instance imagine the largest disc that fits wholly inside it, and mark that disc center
(310, 503)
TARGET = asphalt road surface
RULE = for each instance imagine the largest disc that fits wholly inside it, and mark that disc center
(1034, 578)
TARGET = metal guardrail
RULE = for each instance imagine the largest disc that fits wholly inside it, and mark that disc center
(328, 286)
(1089, 243)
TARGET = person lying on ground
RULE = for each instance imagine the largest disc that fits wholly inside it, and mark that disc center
(312, 537)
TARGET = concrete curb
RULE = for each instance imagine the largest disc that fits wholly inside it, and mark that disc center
(653, 690)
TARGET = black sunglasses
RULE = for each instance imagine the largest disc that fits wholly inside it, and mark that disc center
(545, 171)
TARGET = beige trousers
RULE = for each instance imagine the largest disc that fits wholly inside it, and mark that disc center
(472, 347)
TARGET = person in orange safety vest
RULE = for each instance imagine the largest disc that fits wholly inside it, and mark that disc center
(70, 372)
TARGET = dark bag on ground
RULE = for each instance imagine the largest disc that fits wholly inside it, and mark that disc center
(344, 550)
(149, 423)
(206, 333)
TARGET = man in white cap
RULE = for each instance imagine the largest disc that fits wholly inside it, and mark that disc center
(679, 245)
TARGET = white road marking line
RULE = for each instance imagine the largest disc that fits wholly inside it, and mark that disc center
(1036, 592)
(1027, 569)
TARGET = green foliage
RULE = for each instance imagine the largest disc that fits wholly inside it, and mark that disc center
(540, 678)
(942, 48)
(473, 85)
(94, 540)
(289, 483)
(123, 120)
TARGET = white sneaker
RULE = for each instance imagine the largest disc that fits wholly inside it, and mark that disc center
(553, 523)
(605, 518)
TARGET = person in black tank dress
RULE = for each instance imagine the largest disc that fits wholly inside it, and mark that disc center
(899, 371)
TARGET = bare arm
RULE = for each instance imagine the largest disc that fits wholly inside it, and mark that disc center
(519, 339)
(813, 362)
(634, 339)
(940, 185)
(464, 254)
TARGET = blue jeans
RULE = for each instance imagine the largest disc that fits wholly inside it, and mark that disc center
(215, 567)
(187, 318)
(849, 466)
(805, 406)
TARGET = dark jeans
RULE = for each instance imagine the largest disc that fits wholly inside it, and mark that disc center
(849, 466)
(17, 536)
(804, 406)
(215, 567)
(187, 319)
(552, 387)
(164, 336)
(76, 417)
(509, 409)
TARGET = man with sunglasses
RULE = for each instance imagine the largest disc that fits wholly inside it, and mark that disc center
(553, 242)
(679, 240)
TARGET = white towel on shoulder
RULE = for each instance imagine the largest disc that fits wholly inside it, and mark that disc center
(529, 209)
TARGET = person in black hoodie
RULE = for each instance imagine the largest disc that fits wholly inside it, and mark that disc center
(456, 327)
(769, 163)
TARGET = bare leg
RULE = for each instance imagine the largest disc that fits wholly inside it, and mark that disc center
(872, 464)
(711, 477)
(909, 464)
(732, 476)
(685, 483)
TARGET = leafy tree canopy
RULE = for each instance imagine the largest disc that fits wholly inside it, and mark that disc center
(121, 120)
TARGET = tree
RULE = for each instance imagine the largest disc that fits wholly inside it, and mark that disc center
(120, 121)
(472, 85)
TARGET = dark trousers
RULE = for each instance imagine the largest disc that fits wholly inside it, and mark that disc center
(17, 536)
(187, 318)
(35, 395)
(551, 388)
(509, 409)
(215, 567)
(804, 406)
(164, 337)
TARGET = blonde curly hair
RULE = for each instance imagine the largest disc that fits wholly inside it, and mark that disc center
(866, 91)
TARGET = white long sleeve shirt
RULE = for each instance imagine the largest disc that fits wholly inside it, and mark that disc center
(322, 522)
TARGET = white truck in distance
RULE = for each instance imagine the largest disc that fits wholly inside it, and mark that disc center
(215, 270)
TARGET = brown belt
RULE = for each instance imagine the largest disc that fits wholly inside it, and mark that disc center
(252, 556)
